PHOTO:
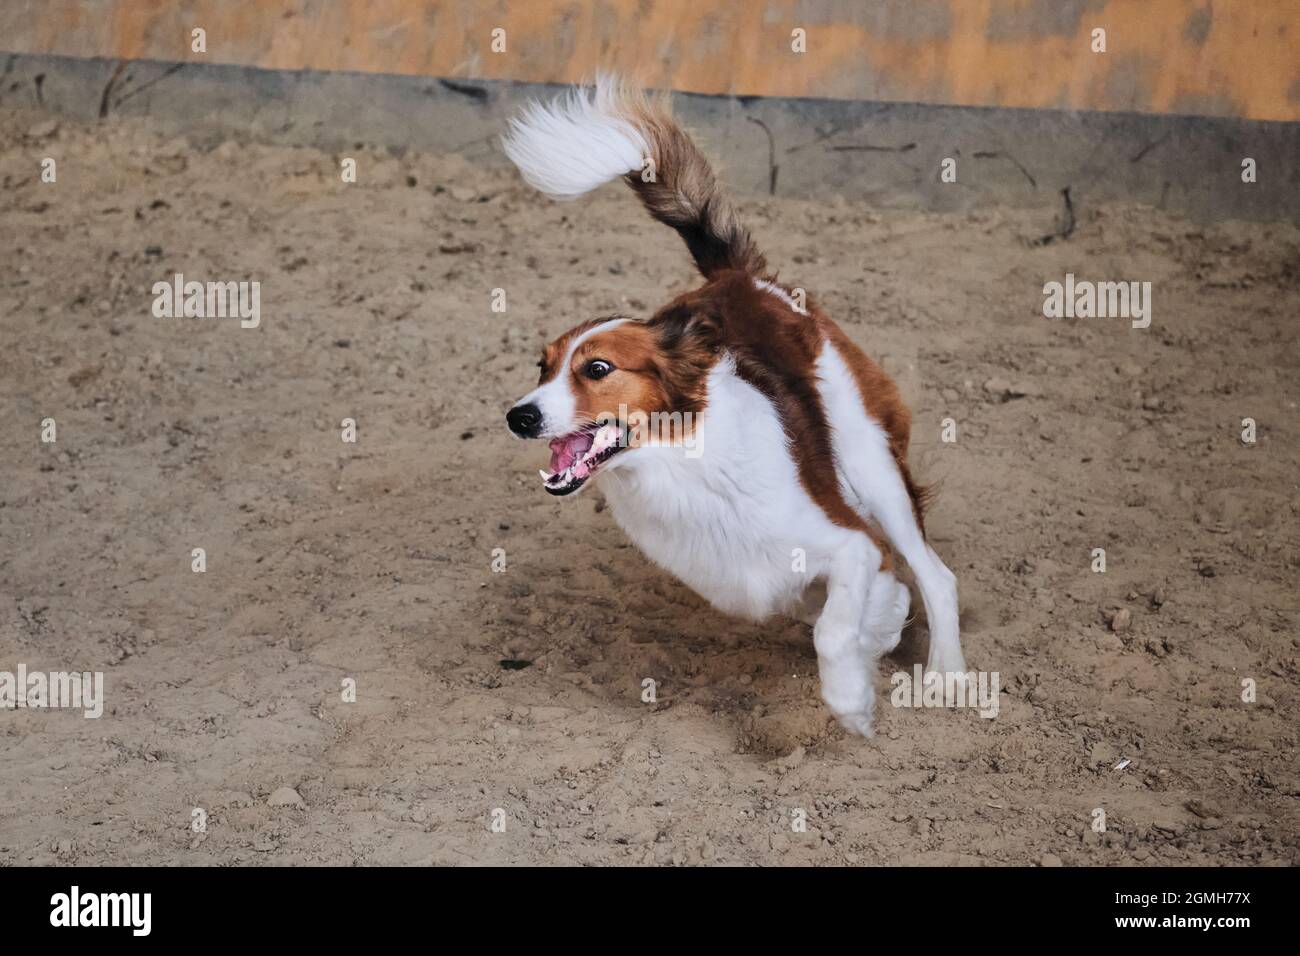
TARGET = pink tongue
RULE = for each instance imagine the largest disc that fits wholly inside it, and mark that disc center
(568, 449)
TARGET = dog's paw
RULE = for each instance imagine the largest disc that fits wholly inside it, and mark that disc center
(861, 724)
(887, 609)
(890, 639)
(854, 706)
(945, 664)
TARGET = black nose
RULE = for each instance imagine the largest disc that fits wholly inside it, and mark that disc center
(525, 420)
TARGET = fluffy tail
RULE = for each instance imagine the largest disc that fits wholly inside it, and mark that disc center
(595, 134)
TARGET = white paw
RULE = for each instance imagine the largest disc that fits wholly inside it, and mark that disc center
(947, 664)
(853, 702)
(861, 724)
(902, 601)
(898, 617)
(886, 644)
(886, 615)
(856, 712)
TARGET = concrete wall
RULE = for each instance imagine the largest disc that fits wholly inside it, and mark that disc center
(1233, 58)
(887, 153)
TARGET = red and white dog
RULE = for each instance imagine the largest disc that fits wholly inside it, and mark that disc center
(784, 456)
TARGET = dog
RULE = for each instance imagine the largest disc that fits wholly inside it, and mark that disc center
(776, 480)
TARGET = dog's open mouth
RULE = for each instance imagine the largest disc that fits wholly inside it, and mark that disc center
(577, 456)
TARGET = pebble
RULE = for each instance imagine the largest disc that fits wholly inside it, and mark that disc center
(285, 797)
(1002, 389)
(43, 130)
(1109, 643)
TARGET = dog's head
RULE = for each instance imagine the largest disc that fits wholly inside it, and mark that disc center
(610, 387)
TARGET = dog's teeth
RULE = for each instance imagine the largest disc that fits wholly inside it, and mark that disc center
(601, 441)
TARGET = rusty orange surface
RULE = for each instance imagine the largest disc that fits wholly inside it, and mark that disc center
(1217, 57)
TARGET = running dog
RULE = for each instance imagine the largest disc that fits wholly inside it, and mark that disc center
(783, 460)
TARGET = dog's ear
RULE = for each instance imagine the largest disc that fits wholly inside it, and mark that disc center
(695, 324)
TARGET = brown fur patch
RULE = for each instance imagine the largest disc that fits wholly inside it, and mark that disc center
(658, 370)
(775, 349)
(636, 385)
(555, 350)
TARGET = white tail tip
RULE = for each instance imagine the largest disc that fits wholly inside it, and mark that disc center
(575, 143)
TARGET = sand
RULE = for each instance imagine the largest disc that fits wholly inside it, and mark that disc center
(226, 738)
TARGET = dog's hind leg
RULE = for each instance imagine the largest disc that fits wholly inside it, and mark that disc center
(846, 681)
(877, 481)
(867, 464)
(892, 508)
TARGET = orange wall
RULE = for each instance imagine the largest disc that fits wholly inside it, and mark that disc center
(1217, 57)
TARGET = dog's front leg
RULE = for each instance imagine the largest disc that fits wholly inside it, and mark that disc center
(886, 612)
(846, 681)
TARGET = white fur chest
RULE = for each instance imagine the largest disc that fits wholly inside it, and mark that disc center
(728, 516)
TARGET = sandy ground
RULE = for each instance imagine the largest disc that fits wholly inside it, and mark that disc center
(372, 561)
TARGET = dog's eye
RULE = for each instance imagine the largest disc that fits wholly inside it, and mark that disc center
(597, 368)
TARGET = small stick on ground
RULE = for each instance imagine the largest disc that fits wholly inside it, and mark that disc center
(773, 168)
(1067, 229)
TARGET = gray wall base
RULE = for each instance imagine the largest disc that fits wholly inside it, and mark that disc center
(887, 153)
